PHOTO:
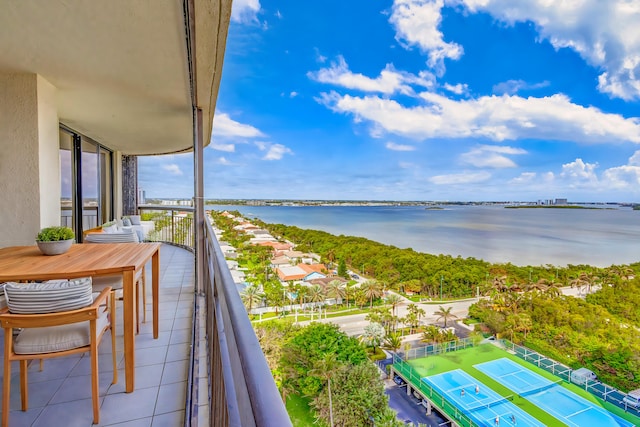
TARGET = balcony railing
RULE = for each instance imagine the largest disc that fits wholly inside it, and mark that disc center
(241, 389)
(173, 224)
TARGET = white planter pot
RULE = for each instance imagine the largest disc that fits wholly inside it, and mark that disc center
(55, 248)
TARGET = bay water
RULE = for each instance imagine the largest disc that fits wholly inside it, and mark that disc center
(599, 237)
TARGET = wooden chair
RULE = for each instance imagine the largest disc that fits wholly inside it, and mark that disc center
(115, 281)
(58, 334)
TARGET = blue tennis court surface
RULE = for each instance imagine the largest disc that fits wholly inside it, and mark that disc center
(477, 401)
(551, 397)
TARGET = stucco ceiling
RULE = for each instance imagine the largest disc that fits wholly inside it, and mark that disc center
(120, 67)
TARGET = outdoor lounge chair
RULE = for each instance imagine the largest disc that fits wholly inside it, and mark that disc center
(54, 319)
(115, 281)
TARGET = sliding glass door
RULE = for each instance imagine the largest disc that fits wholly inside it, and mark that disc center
(86, 182)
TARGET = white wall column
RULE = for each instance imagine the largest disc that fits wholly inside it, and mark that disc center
(29, 158)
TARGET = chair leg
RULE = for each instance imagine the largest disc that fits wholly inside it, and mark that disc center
(6, 380)
(94, 373)
(137, 314)
(24, 385)
(112, 321)
(144, 295)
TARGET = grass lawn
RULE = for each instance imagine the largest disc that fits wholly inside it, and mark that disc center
(465, 359)
(300, 413)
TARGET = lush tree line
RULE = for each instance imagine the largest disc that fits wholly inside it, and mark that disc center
(410, 271)
(601, 332)
(331, 369)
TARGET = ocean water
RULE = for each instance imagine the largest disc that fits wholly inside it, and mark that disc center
(599, 237)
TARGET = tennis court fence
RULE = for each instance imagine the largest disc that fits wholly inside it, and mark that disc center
(437, 400)
(439, 348)
(597, 388)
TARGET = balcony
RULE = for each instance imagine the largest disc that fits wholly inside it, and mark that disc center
(204, 369)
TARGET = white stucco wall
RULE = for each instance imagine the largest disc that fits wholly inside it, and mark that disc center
(49, 154)
(28, 139)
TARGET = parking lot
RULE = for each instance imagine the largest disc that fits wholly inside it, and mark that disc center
(409, 408)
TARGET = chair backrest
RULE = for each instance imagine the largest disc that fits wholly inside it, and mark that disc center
(124, 236)
(48, 297)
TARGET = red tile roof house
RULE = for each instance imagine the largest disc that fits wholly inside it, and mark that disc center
(277, 246)
(301, 272)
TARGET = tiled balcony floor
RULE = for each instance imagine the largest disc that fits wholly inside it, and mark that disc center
(60, 395)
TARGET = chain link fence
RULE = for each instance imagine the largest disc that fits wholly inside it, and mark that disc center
(597, 388)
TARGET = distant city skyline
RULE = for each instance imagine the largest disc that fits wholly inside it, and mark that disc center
(422, 100)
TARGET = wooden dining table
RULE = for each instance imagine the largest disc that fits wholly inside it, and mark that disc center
(27, 263)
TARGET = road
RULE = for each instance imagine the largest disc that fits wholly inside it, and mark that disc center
(353, 325)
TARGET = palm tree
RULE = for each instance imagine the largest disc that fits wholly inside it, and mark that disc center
(394, 300)
(431, 334)
(419, 312)
(392, 342)
(371, 289)
(251, 296)
(500, 283)
(327, 368)
(348, 290)
(445, 313)
(315, 293)
(373, 335)
(335, 289)
(584, 281)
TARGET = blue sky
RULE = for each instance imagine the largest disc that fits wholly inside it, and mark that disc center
(423, 100)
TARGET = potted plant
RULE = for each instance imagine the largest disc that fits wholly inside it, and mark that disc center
(55, 240)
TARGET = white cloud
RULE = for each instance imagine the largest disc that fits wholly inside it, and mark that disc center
(491, 156)
(622, 178)
(605, 34)
(399, 147)
(458, 89)
(388, 82)
(245, 11)
(461, 178)
(634, 160)
(416, 23)
(293, 94)
(229, 148)
(579, 174)
(497, 118)
(223, 161)
(173, 169)
(224, 126)
(524, 178)
(276, 152)
(319, 57)
(511, 87)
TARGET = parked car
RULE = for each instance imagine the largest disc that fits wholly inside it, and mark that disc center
(355, 277)
(582, 375)
(632, 399)
(398, 380)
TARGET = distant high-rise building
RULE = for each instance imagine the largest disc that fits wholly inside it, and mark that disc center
(141, 196)
(561, 201)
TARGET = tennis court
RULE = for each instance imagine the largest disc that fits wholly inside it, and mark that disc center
(550, 396)
(474, 399)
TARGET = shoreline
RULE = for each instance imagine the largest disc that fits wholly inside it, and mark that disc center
(492, 234)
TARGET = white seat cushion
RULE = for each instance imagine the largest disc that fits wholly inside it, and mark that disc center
(57, 338)
(124, 236)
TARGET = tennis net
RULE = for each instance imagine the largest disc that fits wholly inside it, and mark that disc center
(540, 389)
(490, 404)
